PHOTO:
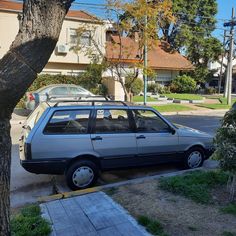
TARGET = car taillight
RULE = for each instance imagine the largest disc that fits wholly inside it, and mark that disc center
(31, 97)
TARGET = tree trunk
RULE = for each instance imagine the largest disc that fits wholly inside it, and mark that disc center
(5, 164)
(39, 29)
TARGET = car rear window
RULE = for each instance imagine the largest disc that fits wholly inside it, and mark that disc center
(68, 122)
(34, 116)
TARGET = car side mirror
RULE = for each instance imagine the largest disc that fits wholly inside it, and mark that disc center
(172, 130)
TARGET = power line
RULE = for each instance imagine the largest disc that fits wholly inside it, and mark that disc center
(110, 5)
(104, 7)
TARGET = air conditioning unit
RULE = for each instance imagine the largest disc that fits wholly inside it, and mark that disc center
(62, 49)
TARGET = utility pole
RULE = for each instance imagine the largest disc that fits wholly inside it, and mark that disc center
(232, 23)
(221, 65)
(145, 49)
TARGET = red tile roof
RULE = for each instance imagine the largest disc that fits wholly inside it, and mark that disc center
(129, 49)
(16, 6)
(159, 57)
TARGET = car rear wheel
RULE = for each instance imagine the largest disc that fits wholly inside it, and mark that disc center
(82, 174)
(194, 158)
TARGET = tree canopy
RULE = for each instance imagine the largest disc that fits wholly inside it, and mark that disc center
(191, 33)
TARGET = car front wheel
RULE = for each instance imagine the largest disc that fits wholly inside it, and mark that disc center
(82, 174)
(194, 158)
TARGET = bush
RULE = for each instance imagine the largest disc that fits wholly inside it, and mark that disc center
(153, 88)
(183, 84)
(46, 79)
(156, 88)
(87, 80)
(134, 86)
(210, 90)
(225, 143)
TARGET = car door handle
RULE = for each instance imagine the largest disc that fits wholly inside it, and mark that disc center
(140, 137)
(96, 138)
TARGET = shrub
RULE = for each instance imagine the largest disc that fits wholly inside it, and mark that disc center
(134, 86)
(153, 88)
(210, 90)
(183, 84)
(226, 149)
(46, 79)
(156, 88)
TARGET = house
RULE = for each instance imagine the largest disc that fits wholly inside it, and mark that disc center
(215, 66)
(125, 51)
(65, 59)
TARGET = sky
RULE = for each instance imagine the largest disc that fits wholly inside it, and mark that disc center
(224, 12)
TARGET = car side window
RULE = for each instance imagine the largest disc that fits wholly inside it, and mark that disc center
(112, 121)
(75, 90)
(149, 121)
(68, 122)
(59, 91)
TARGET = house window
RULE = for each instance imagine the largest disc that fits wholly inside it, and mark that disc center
(85, 38)
(73, 37)
(49, 72)
(163, 80)
(72, 73)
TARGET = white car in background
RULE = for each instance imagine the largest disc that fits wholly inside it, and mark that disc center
(55, 91)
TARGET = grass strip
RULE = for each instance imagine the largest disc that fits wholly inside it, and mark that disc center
(152, 226)
(230, 209)
(195, 185)
(172, 108)
(214, 106)
(29, 222)
(184, 96)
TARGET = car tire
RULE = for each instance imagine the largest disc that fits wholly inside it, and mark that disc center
(81, 174)
(194, 158)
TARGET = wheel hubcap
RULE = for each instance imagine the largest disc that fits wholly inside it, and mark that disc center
(83, 176)
(194, 159)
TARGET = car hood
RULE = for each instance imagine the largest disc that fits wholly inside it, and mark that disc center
(190, 132)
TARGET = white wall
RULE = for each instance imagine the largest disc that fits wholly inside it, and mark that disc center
(9, 27)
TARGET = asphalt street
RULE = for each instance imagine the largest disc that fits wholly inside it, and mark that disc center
(27, 187)
(206, 123)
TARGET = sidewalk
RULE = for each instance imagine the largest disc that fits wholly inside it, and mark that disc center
(93, 214)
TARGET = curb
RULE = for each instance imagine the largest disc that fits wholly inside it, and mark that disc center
(195, 112)
(112, 185)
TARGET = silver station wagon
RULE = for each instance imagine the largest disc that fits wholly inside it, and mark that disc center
(81, 139)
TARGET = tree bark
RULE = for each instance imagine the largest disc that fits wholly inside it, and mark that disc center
(5, 164)
(39, 29)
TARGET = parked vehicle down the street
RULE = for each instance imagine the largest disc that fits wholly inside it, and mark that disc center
(59, 91)
(80, 139)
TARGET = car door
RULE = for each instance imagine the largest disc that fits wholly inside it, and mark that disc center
(156, 140)
(113, 138)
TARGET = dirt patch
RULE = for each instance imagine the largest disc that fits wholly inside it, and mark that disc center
(178, 215)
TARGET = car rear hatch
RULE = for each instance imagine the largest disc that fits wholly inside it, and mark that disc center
(30, 123)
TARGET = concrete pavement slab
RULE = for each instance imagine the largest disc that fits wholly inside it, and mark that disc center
(70, 217)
